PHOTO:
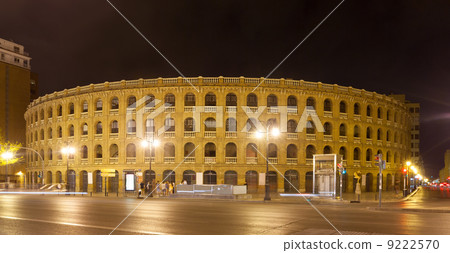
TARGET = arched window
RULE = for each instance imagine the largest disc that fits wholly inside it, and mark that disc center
(71, 131)
(98, 151)
(99, 105)
(379, 113)
(114, 151)
(169, 99)
(59, 132)
(84, 152)
(50, 154)
(343, 153)
(292, 102)
(210, 150)
(189, 125)
(189, 150)
(356, 109)
(272, 123)
(310, 103)
(71, 108)
(327, 128)
(369, 155)
(131, 103)
(114, 103)
(272, 151)
(395, 137)
(395, 117)
(150, 126)
(50, 133)
(379, 134)
(41, 114)
(356, 132)
(327, 106)
(388, 135)
(42, 134)
(231, 99)
(251, 150)
(231, 125)
(388, 157)
(250, 126)
(150, 101)
(114, 127)
(230, 150)
(310, 127)
(327, 150)
(84, 129)
(169, 150)
(291, 126)
(210, 124)
(356, 154)
(169, 124)
(231, 177)
(252, 100)
(189, 99)
(310, 151)
(388, 115)
(369, 133)
(342, 107)
(369, 111)
(272, 101)
(99, 128)
(85, 106)
(50, 113)
(342, 130)
(59, 110)
(131, 126)
(210, 99)
(291, 151)
(131, 150)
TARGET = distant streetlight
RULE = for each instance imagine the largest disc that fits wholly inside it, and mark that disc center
(149, 143)
(68, 151)
(7, 156)
(275, 132)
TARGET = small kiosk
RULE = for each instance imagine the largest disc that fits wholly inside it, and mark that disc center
(325, 174)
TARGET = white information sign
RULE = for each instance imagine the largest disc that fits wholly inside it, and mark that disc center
(129, 182)
(262, 179)
(199, 178)
(90, 181)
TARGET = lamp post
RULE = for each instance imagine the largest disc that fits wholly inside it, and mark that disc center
(67, 151)
(275, 132)
(151, 142)
(7, 156)
(406, 180)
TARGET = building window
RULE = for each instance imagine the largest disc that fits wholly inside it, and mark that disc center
(189, 99)
(327, 105)
(327, 128)
(310, 103)
(210, 99)
(231, 99)
(342, 107)
(310, 151)
(252, 100)
(85, 106)
(169, 125)
(84, 129)
(114, 103)
(150, 125)
(150, 101)
(131, 126)
(71, 108)
(99, 128)
(71, 131)
(356, 109)
(169, 100)
(342, 130)
(99, 105)
(272, 101)
(189, 125)
(231, 125)
(132, 102)
(292, 101)
(114, 127)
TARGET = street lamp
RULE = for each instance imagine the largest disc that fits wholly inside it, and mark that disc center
(413, 168)
(67, 151)
(149, 143)
(7, 156)
(275, 133)
(406, 180)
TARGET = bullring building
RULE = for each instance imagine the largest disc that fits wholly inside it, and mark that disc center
(206, 128)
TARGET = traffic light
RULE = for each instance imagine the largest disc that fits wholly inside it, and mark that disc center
(344, 171)
(405, 170)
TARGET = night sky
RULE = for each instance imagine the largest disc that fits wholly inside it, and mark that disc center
(383, 46)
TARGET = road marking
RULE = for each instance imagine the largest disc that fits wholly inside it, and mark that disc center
(81, 225)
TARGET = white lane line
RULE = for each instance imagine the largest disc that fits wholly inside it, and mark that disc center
(81, 225)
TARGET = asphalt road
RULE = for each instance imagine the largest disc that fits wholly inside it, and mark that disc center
(428, 212)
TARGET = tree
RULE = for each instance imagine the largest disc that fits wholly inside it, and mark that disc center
(7, 146)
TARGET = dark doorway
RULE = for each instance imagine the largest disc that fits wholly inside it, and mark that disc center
(273, 181)
(98, 181)
(231, 177)
(291, 182)
(309, 181)
(369, 182)
(71, 180)
(251, 179)
(169, 175)
(84, 181)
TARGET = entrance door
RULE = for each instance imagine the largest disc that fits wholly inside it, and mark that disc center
(251, 178)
